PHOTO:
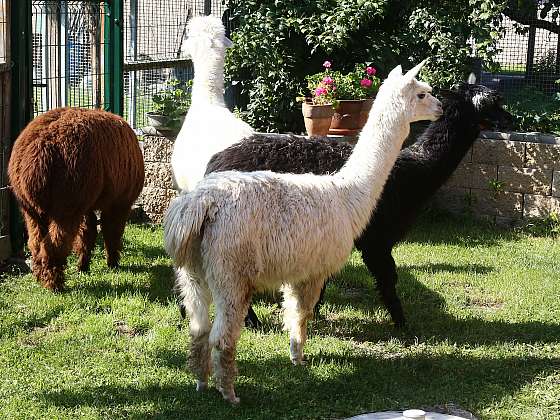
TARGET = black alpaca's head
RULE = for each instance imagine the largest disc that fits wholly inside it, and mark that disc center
(487, 104)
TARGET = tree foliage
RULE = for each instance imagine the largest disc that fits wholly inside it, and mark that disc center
(544, 14)
(279, 42)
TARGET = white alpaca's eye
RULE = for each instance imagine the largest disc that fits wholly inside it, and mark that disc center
(421, 95)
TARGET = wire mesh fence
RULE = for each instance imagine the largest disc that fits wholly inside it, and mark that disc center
(68, 45)
(153, 33)
(529, 57)
(69, 41)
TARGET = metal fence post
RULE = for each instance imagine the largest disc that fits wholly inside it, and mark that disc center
(114, 57)
(22, 81)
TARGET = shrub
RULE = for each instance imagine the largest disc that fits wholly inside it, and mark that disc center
(533, 110)
(278, 42)
(174, 100)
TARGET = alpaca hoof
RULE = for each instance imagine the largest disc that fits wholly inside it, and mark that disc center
(253, 323)
(201, 386)
(300, 362)
(83, 268)
(296, 352)
(229, 396)
(400, 325)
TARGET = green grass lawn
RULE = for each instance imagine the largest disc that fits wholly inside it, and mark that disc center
(483, 307)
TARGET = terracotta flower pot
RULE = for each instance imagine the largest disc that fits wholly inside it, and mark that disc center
(350, 116)
(364, 114)
(317, 118)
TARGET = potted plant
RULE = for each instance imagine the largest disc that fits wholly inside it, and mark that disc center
(170, 106)
(355, 93)
(350, 94)
(318, 109)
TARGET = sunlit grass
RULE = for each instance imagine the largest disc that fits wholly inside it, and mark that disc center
(484, 334)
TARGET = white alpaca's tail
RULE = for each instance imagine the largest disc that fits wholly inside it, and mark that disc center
(182, 226)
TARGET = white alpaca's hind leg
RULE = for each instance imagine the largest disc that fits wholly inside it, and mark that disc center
(231, 304)
(299, 301)
(196, 300)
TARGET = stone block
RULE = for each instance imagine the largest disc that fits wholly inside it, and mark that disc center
(548, 138)
(556, 184)
(540, 205)
(498, 135)
(482, 175)
(516, 136)
(507, 222)
(532, 137)
(452, 199)
(153, 218)
(157, 149)
(525, 180)
(501, 204)
(473, 175)
(542, 155)
(158, 175)
(499, 152)
(468, 156)
(156, 200)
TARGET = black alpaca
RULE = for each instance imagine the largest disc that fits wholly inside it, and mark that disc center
(418, 172)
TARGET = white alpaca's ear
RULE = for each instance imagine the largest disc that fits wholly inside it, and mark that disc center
(397, 71)
(227, 42)
(471, 80)
(413, 72)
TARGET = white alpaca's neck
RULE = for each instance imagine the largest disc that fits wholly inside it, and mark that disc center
(365, 173)
(208, 83)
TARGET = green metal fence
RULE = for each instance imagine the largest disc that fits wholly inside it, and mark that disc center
(110, 54)
(114, 54)
(5, 93)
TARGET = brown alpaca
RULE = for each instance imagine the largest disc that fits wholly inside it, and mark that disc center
(65, 164)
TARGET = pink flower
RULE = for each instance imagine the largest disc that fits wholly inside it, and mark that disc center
(327, 64)
(320, 91)
(328, 80)
(370, 70)
(365, 83)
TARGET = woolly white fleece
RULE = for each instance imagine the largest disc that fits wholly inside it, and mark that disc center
(209, 126)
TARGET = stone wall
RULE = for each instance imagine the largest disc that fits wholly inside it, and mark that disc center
(158, 184)
(506, 177)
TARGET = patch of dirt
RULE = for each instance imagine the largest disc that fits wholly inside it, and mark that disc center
(453, 410)
(122, 328)
(37, 334)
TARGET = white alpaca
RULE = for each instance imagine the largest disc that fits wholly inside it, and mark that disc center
(240, 232)
(209, 126)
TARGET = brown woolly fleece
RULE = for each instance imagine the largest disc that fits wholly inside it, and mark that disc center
(65, 164)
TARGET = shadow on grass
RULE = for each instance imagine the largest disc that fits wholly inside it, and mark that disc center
(34, 322)
(451, 268)
(272, 388)
(161, 278)
(425, 313)
(159, 289)
(438, 227)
